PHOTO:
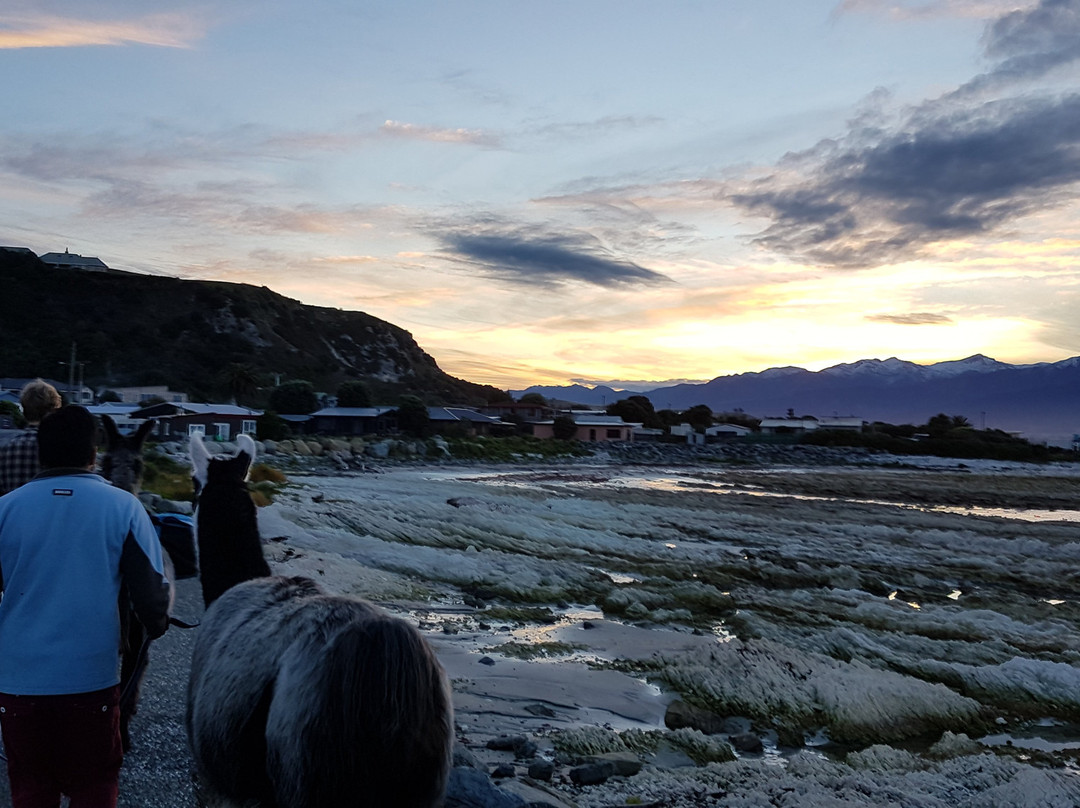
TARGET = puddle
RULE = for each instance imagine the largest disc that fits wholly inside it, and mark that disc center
(1044, 735)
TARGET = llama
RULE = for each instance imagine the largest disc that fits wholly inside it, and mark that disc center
(122, 464)
(298, 698)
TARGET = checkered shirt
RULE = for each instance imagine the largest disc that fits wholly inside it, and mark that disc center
(18, 460)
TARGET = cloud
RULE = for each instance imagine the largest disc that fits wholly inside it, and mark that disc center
(1031, 42)
(44, 31)
(958, 166)
(913, 318)
(598, 127)
(865, 201)
(635, 385)
(918, 9)
(434, 134)
(537, 256)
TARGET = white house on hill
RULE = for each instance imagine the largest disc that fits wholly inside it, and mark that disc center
(69, 260)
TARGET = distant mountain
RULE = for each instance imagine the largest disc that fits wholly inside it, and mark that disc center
(136, 329)
(1041, 401)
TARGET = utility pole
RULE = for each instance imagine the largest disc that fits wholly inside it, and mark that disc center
(71, 375)
(71, 365)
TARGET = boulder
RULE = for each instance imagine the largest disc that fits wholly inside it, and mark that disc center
(470, 788)
(626, 764)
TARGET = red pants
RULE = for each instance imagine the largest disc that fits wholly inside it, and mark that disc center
(63, 745)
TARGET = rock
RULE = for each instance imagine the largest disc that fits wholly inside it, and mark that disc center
(504, 770)
(681, 714)
(315, 448)
(486, 660)
(637, 609)
(592, 774)
(541, 710)
(463, 756)
(149, 500)
(506, 743)
(952, 745)
(175, 506)
(380, 450)
(524, 748)
(541, 770)
(536, 795)
(747, 742)
(470, 788)
(268, 446)
(626, 764)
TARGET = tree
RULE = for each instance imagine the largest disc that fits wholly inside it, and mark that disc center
(295, 397)
(669, 417)
(412, 417)
(698, 416)
(271, 426)
(353, 393)
(240, 380)
(107, 396)
(941, 424)
(11, 410)
(564, 427)
(636, 410)
(533, 398)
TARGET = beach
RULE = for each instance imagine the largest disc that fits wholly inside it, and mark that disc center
(888, 632)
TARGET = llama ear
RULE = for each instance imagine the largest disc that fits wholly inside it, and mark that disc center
(141, 432)
(112, 434)
(200, 459)
(246, 445)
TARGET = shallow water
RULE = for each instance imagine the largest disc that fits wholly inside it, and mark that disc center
(674, 481)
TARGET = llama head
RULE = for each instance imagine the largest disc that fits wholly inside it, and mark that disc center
(206, 468)
(122, 462)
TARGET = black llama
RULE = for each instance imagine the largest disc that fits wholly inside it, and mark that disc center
(122, 464)
(298, 698)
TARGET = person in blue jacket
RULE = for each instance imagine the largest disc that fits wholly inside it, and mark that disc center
(67, 541)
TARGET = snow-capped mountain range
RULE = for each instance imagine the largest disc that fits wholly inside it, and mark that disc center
(1042, 400)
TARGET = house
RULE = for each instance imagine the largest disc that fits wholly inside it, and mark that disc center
(710, 434)
(178, 421)
(517, 411)
(846, 423)
(797, 426)
(72, 394)
(787, 426)
(137, 395)
(69, 260)
(350, 421)
(591, 426)
(120, 413)
(461, 419)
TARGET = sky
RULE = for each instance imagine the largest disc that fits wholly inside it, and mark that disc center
(599, 192)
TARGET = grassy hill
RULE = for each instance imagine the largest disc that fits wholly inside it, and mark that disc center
(201, 336)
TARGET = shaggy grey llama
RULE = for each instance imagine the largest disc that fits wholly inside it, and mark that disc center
(298, 698)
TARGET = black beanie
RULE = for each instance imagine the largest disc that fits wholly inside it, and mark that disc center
(66, 438)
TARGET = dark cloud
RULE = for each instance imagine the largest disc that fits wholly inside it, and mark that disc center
(953, 167)
(913, 318)
(536, 256)
(867, 200)
(1031, 42)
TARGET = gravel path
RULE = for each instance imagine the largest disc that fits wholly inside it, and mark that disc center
(157, 771)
